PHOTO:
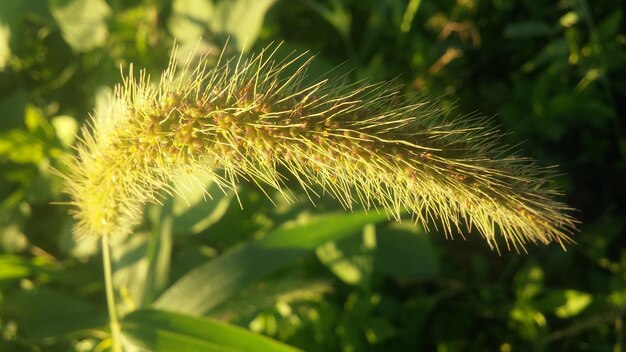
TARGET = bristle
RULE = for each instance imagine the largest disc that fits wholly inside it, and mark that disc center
(361, 143)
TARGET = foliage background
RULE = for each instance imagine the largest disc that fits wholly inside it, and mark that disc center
(549, 71)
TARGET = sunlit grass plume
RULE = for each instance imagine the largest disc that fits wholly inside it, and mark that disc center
(360, 143)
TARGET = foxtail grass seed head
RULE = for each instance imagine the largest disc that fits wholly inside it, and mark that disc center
(361, 143)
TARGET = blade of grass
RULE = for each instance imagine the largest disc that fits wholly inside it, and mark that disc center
(165, 331)
(210, 284)
(159, 254)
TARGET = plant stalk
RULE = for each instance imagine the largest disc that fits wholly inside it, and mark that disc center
(114, 323)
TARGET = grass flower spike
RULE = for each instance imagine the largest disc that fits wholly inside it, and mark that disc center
(361, 143)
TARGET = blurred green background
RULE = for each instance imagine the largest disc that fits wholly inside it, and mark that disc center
(551, 72)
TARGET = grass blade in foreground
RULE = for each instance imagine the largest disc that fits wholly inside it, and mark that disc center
(161, 331)
(214, 282)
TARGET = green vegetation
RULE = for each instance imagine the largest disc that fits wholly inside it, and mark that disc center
(216, 276)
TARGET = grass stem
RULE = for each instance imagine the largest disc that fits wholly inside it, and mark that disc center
(108, 283)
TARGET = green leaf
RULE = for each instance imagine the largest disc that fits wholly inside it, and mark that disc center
(65, 128)
(130, 268)
(527, 29)
(555, 51)
(351, 259)
(409, 14)
(569, 19)
(529, 281)
(397, 250)
(159, 253)
(11, 16)
(314, 232)
(15, 267)
(337, 15)
(14, 212)
(36, 123)
(165, 331)
(21, 147)
(241, 20)
(82, 22)
(12, 106)
(378, 330)
(610, 26)
(266, 295)
(212, 283)
(192, 212)
(45, 312)
(569, 303)
(5, 49)
(189, 19)
(405, 252)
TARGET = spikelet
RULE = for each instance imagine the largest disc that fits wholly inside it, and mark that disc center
(361, 143)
